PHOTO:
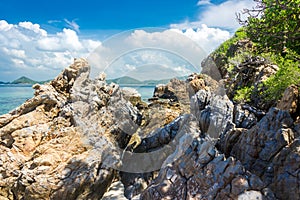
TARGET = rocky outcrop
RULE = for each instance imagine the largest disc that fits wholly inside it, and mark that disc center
(43, 155)
(79, 138)
(239, 68)
(212, 108)
(201, 172)
(175, 90)
(269, 150)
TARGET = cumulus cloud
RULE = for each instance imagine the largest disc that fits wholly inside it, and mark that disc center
(218, 15)
(146, 48)
(207, 38)
(29, 50)
(33, 27)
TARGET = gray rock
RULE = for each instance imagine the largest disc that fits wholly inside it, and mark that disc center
(271, 151)
(214, 112)
(243, 118)
(201, 172)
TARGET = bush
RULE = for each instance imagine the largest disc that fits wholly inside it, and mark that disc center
(288, 74)
(274, 24)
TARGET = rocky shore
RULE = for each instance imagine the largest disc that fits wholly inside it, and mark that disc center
(79, 138)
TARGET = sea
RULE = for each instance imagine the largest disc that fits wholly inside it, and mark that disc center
(12, 96)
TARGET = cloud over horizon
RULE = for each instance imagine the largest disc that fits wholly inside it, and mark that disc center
(29, 50)
(26, 47)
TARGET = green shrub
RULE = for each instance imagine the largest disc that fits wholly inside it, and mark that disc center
(288, 74)
(243, 94)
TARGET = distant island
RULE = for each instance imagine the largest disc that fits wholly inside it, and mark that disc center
(23, 81)
(124, 80)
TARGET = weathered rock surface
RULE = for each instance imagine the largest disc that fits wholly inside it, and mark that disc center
(43, 155)
(71, 141)
(270, 150)
(290, 100)
(201, 172)
(239, 69)
(212, 108)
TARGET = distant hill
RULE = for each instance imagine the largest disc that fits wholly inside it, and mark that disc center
(131, 81)
(23, 80)
(125, 80)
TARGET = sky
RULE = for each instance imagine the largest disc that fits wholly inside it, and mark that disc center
(40, 38)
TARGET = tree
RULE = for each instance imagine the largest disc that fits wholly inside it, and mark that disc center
(274, 24)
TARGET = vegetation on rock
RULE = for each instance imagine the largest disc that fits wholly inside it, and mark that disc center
(269, 39)
(274, 24)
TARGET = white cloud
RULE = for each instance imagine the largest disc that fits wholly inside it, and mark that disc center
(4, 26)
(221, 15)
(14, 52)
(27, 49)
(207, 38)
(33, 27)
(163, 48)
(203, 2)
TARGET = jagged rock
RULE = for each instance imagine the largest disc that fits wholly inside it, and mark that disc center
(270, 150)
(243, 118)
(213, 111)
(200, 172)
(210, 105)
(176, 91)
(239, 68)
(290, 100)
(43, 156)
(115, 192)
(252, 72)
(70, 141)
(210, 68)
(203, 82)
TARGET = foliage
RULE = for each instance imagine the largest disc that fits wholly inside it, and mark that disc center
(224, 47)
(288, 74)
(274, 24)
(243, 94)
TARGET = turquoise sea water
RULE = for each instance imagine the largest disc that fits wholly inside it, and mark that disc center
(12, 96)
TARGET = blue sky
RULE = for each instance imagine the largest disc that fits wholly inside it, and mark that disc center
(45, 36)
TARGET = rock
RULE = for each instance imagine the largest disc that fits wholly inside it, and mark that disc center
(269, 150)
(239, 68)
(252, 72)
(210, 68)
(115, 192)
(75, 140)
(290, 100)
(43, 156)
(201, 172)
(203, 82)
(214, 112)
(243, 118)
(132, 95)
(175, 91)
